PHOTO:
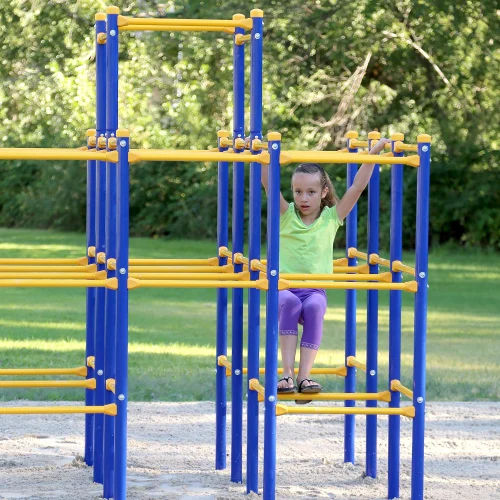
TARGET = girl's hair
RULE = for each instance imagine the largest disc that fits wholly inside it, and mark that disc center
(331, 197)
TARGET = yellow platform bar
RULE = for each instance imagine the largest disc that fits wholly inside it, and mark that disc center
(50, 410)
(409, 286)
(352, 361)
(407, 411)
(53, 283)
(353, 252)
(287, 157)
(182, 269)
(225, 252)
(81, 261)
(397, 265)
(400, 146)
(337, 396)
(152, 27)
(210, 261)
(385, 277)
(193, 155)
(90, 268)
(245, 23)
(396, 385)
(341, 262)
(340, 371)
(374, 258)
(134, 283)
(55, 154)
(87, 383)
(191, 276)
(66, 275)
(80, 371)
(362, 269)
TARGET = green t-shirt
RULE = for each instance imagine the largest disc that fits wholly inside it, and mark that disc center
(307, 249)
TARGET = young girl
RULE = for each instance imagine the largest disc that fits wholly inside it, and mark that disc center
(307, 230)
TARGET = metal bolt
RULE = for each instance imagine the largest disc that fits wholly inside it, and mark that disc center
(273, 272)
(121, 397)
(112, 32)
(123, 143)
(421, 275)
(99, 372)
(274, 146)
(272, 399)
(257, 36)
(237, 371)
(420, 399)
(112, 134)
(372, 372)
(425, 149)
(122, 270)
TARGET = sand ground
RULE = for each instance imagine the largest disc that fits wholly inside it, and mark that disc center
(171, 455)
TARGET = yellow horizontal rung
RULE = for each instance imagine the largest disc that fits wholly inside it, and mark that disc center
(352, 361)
(87, 383)
(386, 277)
(375, 259)
(341, 262)
(91, 361)
(407, 411)
(256, 265)
(225, 252)
(399, 147)
(223, 361)
(362, 269)
(337, 396)
(194, 155)
(211, 261)
(335, 157)
(151, 27)
(240, 39)
(55, 283)
(46, 410)
(239, 258)
(80, 371)
(65, 275)
(56, 154)
(409, 286)
(231, 23)
(82, 261)
(191, 276)
(355, 143)
(341, 371)
(134, 283)
(397, 265)
(228, 268)
(396, 385)
(90, 268)
(354, 252)
(110, 384)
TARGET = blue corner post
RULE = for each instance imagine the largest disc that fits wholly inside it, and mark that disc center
(420, 322)
(372, 315)
(122, 260)
(395, 303)
(221, 328)
(100, 243)
(254, 235)
(350, 309)
(237, 237)
(110, 295)
(90, 300)
(273, 241)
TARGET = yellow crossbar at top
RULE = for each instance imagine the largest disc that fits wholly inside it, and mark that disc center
(143, 21)
(153, 27)
(109, 409)
(80, 371)
(55, 154)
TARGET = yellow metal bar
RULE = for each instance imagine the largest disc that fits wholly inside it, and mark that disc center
(55, 154)
(397, 265)
(228, 268)
(150, 27)
(90, 268)
(386, 277)
(225, 252)
(50, 410)
(134, 283)
(239, 258)
(353, 252)
(223, 361)
(193, 155)
(80, 371)
(55, 283)
(256, 265)
(245, 23)
(87, 383)
(287, 157)
(401, 146)
(352, 361)
(337, 396)
(355, 143)
(91, 361)
(396, 385)
(110, 384)
(340, 371)
(191, 276)
(375, 259)
(407, 411)
(409, 286)
(341, 262)
(40, 275)
(211, 261)
(81, 261)
(363, 269)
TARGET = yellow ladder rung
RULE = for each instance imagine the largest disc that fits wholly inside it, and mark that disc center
(109, 409)
(80, 371)
(351, 361)
(87, 384)
(407, 411)
(338, 396)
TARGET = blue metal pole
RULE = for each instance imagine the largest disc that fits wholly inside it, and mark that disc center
(395, 320)
(254, 252)
(372, 316)
(221, 338)
(420, 325)
(273, 242)
(100, 246)
(122, 258)
(90, 299)
(237, 237)
(110, 295)
(350, 310)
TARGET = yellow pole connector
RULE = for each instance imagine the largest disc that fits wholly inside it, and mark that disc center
(240, 39)
(91, 361)
(351, 361)
(101, 38)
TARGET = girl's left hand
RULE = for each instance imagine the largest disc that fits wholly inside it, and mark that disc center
(375, 150)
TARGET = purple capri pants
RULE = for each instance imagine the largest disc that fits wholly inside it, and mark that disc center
(306, 306)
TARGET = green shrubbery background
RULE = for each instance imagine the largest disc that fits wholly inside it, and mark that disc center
(330, 66)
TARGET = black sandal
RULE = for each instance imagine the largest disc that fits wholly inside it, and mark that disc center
(285, 390)
(312, 388)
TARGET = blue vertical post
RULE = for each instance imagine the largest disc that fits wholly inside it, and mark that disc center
(420, 322)
(237, 237)
(100, 243)
(350, 309)
(122, 259)
(273, 241)
(254, 251)
(221, 334)
(395, 320)
(90, 299)
(110, 295)
(372, 316)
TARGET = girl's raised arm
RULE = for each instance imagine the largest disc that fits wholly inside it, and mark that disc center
(265, 178)
(351, 196)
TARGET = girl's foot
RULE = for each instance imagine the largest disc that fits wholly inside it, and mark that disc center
(307, 386)
(285, 385)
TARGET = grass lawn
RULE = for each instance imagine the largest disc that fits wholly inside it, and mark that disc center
(172, 332)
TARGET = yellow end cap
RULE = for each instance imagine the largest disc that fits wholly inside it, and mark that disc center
(90, 132)
(239, 143)
(112, 10)
(102, 142)
(424, 138)
(112, 143)
(398, 136)
(238, 17)
(352, 134)
(100, 16)
(222, 133)
(256, 13)
(122, 132)
(274, 136)
(374, 135)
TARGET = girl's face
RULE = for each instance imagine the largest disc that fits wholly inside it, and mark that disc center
(307, 193)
